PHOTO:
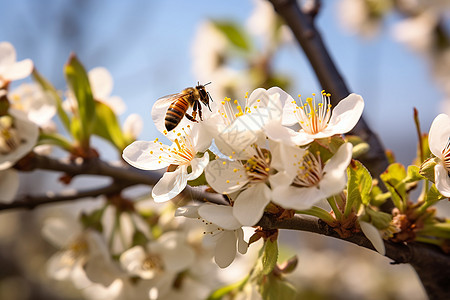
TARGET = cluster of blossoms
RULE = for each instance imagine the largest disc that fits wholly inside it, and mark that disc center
(256, 159)
(270, 156)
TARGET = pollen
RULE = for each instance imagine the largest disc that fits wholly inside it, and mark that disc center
(228, 181)
(314, 115)
(224, 163)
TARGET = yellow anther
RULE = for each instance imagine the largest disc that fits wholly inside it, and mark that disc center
(224, 163)
(228, 181)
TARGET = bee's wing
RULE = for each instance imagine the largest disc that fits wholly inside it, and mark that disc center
(160, 107)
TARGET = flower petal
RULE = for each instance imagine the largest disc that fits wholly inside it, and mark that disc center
(170, 185)
(133, 125)
(198, 165)
(220, 215)
(225, 250)
(442, 180)
(339, 162)
(189, 211)
(101, 82)
(372, 233)
(346, 114)
(7, 54)
(18, 70)
(29, 133)
(277, 132)
(291, 197)
(242, 244)
(147, 155)
(439, 134)
(225, 176)
(250, 204)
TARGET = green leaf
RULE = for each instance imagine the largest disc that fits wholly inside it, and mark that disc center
(225, 290)
(413, 174)
(48, 87)
(55, 139)
(270, 256)
(427, 168)
(379, 219)
(107, 126)
(359, 186)
(78, 82)
(433, 195)
(234, 34)
(275, 288)
(393, 178)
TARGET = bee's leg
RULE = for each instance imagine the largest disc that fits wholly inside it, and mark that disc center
(194, 110)
(191, 118)
(200, 112)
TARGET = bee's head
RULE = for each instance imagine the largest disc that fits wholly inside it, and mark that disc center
(204, 95)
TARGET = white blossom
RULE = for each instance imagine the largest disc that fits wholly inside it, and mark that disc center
(10, 69)
(439, 142)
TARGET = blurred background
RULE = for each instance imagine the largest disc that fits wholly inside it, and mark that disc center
(396, 57)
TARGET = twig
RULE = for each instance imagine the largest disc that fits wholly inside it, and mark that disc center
(30, 202)
(123, 176)
(430, 263)
(310, 40)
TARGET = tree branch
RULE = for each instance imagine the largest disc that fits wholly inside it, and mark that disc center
(309, 38)
(123, 177)
(432, 265)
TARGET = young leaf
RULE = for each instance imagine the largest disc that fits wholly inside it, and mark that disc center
(359, 186)
(393, 178)
(107, 126)
(55, 139)
(275, 288)
(78, 82)
(413, 174)
(234, 34)
(270, 256)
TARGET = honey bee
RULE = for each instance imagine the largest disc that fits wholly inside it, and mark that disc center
(180, 103)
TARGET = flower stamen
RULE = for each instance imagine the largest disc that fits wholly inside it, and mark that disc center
(309, 171)
(313, 116)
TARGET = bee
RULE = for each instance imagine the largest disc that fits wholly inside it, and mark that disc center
(180, 103)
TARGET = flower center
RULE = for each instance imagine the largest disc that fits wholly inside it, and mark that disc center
(9, 136)
(153, 262)
(309, 171)
(258, 166)
(76, 250)
(313, 116)
(229, 114)
(446, 156)
(182, 153)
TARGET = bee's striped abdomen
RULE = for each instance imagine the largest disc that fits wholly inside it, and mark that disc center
(175, 113)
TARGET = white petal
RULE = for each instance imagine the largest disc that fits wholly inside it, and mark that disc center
(225, 176)
(178, 258)
(170, 185)
(132, 260)
(58, 267)
(138, 154)
(346, 114)
(442, 180)
(19, 70)
(289, 116)
(188, 212)
(60, 232)
(133, 125)
(29, 133)
(198, 165)
(439, 134)
(291, 197)
(9, 185)
(284, 157)
(200, 135)
(339, 162)
(116, 104)
(279, 133)
(219, 214)
(372, 233)
(225, 251)
(7, 54)
(239, 135)
(250, 204)
(101, 83)
(242, 244)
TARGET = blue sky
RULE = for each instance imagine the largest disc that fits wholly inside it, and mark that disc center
(146, 45)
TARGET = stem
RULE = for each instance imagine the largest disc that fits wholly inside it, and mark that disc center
(319, 213)
(337, 212)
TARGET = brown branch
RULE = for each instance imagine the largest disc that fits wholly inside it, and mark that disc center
(309, 38)
(123, 177)
(419, 255)
(30, 202)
